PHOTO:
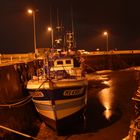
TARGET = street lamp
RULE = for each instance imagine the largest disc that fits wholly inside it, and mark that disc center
(106, 34)
(32, 12)
(51, 30)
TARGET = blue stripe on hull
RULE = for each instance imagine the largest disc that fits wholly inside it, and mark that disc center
(62, 106)
(61, 93)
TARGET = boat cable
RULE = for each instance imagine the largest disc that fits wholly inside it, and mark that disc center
(90, 67)
(68, 72)
(18, 103)
(40, 85)
(19, 133)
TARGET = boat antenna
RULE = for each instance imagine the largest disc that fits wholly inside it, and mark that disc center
(72, 27)
(51, 25)
(58, 22)
(57, 18)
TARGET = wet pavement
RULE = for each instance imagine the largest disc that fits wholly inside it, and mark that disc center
(109, 109)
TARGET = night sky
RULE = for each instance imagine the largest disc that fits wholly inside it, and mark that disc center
(121, 18)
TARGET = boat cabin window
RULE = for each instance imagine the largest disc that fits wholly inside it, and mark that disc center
(68, 61)
(59, 62)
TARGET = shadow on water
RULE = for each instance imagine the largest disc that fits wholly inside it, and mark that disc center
(97, 116)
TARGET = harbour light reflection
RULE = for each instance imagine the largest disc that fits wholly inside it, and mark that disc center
(107, 113)
(106, 97)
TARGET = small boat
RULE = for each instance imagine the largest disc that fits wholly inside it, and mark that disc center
(136, 99)
(134, 131)
(60, 93)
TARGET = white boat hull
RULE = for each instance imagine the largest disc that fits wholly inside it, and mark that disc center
(59, 99)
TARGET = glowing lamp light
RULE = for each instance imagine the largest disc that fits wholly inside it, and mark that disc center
(30, 11)
(49, 29)
(105, 33)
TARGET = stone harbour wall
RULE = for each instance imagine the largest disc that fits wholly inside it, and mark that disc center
(16, 108)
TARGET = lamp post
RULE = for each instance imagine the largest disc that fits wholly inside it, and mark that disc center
(51, 30)
(32, 12)
(106, 34)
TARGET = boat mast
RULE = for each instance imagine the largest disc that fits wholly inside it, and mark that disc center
(58, 27)
(73, 31)
(72, 26)
(60, 33)
(70, 35)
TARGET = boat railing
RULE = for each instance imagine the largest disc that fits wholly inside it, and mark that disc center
(66, 73)
(77, 72)
(134, 132)
(4, 58)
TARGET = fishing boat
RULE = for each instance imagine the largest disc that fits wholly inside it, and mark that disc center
(60, 93)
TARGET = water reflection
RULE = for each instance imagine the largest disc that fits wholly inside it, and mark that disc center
(108, 113)
(106, 97)
(102, 109)
(106, 83)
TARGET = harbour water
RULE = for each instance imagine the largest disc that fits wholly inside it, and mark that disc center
(109, 110)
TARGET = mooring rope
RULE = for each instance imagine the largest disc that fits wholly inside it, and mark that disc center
(18, 103)
(17, 132)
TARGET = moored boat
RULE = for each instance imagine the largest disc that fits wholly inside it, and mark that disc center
(60, 93)
(134, 131)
